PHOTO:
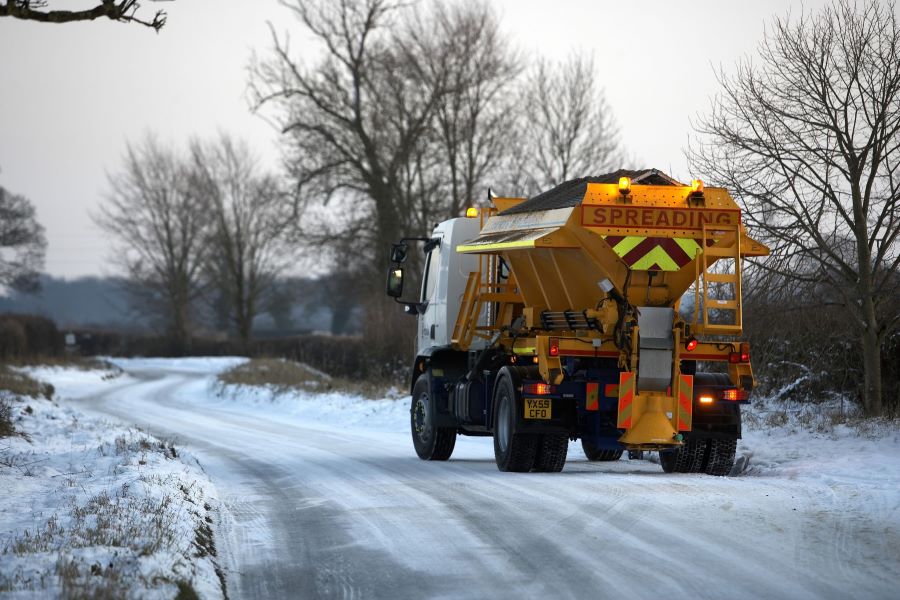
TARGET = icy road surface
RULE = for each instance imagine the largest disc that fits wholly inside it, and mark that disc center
(328, 500)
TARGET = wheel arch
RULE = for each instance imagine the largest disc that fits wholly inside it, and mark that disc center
(453, 362)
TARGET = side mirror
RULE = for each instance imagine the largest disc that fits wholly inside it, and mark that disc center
(398, 253)
(395, 281)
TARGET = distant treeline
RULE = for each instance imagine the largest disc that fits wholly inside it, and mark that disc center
(103, 304)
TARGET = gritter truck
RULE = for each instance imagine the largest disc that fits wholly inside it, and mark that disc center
(607, 309)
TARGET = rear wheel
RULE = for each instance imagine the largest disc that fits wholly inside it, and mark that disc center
(599, 454)
(513, 451)
(550, 456)
(431, 442)
(721, 456)
(711, 456)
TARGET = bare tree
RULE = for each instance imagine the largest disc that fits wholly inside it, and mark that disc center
(567, 128)
(352, 121)
(474, 118)
(159, 223)
(122, 11)
(22, 243)
(808, 137)
(248, 243)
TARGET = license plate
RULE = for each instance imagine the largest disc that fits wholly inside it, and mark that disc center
(537, 408)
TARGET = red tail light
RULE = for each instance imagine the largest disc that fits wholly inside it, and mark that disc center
(538, 389)
(691, 344)
(734, 394)
(738, 357)
(745, 352)
(554, 346)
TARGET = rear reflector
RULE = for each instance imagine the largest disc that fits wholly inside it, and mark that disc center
(537, 389)
(734, 394)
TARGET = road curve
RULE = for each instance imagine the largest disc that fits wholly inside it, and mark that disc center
(324, 512)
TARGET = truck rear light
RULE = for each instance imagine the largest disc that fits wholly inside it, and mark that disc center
(538, 389)
(734, 394)
(706, 399)
(691, 344)
(738, 357)
(554, 346)
(742, 356)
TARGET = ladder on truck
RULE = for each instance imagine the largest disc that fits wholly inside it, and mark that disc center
(718, 242)
(484, 300)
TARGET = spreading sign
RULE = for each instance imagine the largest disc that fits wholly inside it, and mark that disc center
(657, 218)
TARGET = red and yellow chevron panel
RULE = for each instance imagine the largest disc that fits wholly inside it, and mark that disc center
(642, 253)
(684, 393)
(592, 400)
(626, 399)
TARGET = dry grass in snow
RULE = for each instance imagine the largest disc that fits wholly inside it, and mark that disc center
(95, 510)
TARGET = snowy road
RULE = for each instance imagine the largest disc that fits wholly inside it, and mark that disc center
(343, 510)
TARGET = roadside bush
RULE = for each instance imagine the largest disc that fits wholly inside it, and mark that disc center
(12, 339)
(811, 354)
(28, 336)
(6, 425)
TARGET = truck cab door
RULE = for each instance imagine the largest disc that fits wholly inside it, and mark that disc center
(432, 314)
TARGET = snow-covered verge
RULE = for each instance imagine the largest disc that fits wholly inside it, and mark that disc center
(93, 509)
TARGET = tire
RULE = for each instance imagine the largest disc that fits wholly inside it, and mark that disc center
(689, 458)
(550, 456)
(721, 457)
(599, 454)
(667, 460)
(431, 443)
(711, 456)
(513, 451)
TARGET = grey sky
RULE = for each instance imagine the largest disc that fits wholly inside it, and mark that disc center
(71, 95)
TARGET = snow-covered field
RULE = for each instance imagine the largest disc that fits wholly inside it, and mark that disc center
(95, 509)
(322, 496)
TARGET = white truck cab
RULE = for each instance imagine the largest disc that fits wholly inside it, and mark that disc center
(444, 282)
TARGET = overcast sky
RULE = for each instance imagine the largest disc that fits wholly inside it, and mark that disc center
(72, 95)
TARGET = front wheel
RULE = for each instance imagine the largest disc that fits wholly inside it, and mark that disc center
(431, 442)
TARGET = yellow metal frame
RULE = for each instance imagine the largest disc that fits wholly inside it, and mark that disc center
(556, 262)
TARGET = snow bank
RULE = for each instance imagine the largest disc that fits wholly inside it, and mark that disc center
(326, 408)
(94, 509)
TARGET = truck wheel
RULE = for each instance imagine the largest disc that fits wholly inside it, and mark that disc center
(721, 456)
(550, 456)
(512, 451)
(431, 443)
(689, 458)
(599, 454)
(667, 460)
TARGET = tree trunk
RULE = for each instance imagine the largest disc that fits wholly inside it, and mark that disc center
(871, 354)
(180, 334)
